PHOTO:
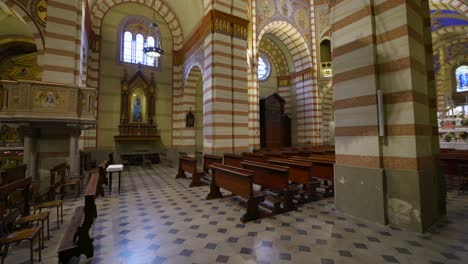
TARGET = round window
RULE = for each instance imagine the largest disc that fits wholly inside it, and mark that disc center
(264, 67)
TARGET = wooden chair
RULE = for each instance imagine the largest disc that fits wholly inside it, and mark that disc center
(9, 236)
(39, 205)
(69, 180)
(36, 218)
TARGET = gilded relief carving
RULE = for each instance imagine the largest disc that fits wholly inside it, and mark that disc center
(47, 99)
(23, 67)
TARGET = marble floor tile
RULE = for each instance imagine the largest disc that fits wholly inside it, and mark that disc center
(157, 219)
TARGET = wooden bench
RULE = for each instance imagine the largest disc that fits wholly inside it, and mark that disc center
(76, 239)
(13, 174)
(239, 182)
(233, 160)
(275, 179)
(301, 173)
(257, 157)
(322, 169)
(189, 164)
(209, 160)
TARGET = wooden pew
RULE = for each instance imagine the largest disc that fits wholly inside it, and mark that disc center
(76, 239)
(13, 174)
(233, 160)
(239, 182)
(257, 157)
(301, 173)
(275, 179)
(22, 184)
(208, 160)
(102, 177)
(189, 164)
(322, 169)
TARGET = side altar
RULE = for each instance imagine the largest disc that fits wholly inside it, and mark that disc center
(137, 108)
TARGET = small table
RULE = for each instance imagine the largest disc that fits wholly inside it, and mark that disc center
(114, 168)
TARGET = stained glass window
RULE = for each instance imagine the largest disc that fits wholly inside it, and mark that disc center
(132, 49)
(461, 75)
(264, 68)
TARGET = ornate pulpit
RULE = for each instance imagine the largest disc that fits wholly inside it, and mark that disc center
(137, 108)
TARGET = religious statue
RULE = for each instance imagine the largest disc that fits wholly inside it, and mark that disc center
(137, 109)
(190, 119)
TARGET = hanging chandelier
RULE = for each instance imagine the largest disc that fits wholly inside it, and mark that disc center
(154, 51)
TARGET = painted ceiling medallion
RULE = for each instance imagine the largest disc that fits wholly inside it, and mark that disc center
(39, 11)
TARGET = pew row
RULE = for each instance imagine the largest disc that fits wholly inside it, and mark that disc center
(209, 160)
(189, 164)
(233, 160)
(76, 239)
(322, 169)
(239, 182)
(274, 179)
(300, 173)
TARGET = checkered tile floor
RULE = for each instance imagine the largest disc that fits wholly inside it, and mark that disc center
(157, 219)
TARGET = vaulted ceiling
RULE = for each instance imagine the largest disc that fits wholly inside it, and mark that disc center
(188, 12)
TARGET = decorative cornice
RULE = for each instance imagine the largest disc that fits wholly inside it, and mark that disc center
(214, 21)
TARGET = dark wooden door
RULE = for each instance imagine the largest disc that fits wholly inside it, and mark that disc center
(273, 127)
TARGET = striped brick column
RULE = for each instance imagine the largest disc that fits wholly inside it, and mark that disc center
(326, 101)
(315, 120)
(183, 136)
(226, 105)
(62, 42)
(394, 179)
(253, 87)
(178, 122)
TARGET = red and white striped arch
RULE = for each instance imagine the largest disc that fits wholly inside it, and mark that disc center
(456, 5)
(293, 40)
(37, 35)
(162, 9)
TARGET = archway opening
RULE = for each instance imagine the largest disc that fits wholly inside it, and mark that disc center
(18, 51)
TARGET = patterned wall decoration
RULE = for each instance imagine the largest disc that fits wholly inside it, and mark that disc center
(323, 20)
(274, 52)
(38, 10)
(292, 11)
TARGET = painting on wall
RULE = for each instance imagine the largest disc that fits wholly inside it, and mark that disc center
(138, 106)
(10, 137)
(285, 8)
(461, 75)
(267, 8)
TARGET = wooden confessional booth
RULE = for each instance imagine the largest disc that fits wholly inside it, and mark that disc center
(275, 125)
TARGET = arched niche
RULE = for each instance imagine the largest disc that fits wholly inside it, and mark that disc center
(325, 51)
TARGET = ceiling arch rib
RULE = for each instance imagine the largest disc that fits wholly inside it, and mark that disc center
(293, 40)
(445, 32)
(456, 5)
(100, 8)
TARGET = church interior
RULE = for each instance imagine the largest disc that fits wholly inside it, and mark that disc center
(234, 131)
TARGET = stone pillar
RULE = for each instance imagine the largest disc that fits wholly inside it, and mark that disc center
(74, 157)
(225, 90)
(30, 152)
(383, 46)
